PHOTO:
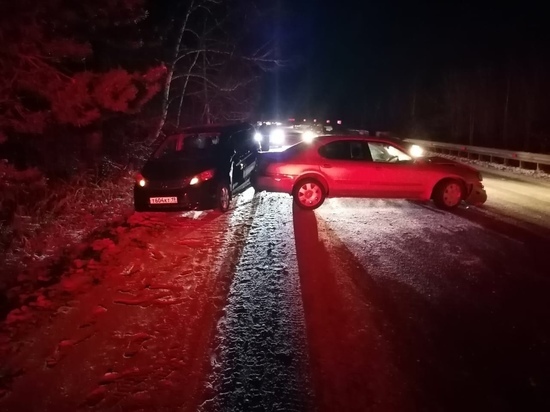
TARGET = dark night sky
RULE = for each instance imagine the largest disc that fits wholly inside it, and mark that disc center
(346, 55)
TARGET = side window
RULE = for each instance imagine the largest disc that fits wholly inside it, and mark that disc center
(346, 150)
(339, 150)
(383, 152)
(244, 142)
(360, 151)
(252, 144)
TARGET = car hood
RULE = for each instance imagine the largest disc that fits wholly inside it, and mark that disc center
(437, 160)
(171, 169)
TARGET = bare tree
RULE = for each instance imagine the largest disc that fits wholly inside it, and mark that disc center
(215, 65)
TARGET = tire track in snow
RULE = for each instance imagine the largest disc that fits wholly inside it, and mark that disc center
(260, 361)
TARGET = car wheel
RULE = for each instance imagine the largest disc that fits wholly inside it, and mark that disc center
(223, 197)
(448, 194)
(309, 194)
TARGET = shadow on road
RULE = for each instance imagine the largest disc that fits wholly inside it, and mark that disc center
(378, 343)
(350, 362)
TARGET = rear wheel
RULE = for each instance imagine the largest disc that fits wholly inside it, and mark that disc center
(448, 194)
(223, 197)
(309, 194)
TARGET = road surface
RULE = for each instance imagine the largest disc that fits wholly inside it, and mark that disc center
(360, 305)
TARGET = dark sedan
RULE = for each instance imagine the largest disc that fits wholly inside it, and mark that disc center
(200, 167)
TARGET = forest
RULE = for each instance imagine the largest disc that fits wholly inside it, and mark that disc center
(87, 88)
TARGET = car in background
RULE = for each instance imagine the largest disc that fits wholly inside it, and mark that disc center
(199, 167)
(277, 137)
(367, 167)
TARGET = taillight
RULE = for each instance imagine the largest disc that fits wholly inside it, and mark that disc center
(207, 175)
(140, 180)
(202, 177)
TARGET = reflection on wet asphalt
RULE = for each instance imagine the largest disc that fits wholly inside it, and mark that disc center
(260, 360)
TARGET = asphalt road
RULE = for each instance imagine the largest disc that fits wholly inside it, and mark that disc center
(407, 307)
(379, 305)
(524, 200)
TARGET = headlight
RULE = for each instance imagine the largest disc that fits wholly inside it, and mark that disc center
(416, 151)
(140, 180)
(277, 136)
(258, 137)
(308, 136)
(202, 177)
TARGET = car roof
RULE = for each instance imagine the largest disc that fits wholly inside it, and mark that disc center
(328, 138)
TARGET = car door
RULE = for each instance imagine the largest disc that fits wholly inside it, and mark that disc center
(251, 148)
(396, 175)
(244, 158)
(346, 166)
(364, 171)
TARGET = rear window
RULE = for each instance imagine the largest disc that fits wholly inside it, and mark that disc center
(188, 145)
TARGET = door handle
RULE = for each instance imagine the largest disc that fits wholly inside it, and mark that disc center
(326, 166)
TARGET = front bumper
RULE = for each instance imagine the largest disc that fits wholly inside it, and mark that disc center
(477, 195)
(200, 196)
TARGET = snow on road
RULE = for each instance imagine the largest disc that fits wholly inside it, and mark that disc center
(523, 200)
(260, 362)
(133, 330)
(360, 305)
(459, 301)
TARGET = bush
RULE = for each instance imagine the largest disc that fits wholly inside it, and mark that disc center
(30, 203)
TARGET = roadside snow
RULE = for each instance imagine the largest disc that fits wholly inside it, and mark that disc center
(497, 167)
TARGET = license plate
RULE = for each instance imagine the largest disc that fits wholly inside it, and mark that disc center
(163, 200)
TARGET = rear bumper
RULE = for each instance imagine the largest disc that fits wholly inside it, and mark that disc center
(192, 197)
(272, 184)
(477, 195)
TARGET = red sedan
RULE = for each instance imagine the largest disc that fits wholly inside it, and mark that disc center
(369, 167)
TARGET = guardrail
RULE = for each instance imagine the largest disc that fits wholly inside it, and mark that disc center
(507, 157)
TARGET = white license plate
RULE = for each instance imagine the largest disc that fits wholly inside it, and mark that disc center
(163, 200)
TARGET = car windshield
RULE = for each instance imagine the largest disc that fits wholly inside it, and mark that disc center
(188, 145)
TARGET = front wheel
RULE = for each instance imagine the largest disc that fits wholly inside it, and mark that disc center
(448, 194)
(309, 194)
(223, 197)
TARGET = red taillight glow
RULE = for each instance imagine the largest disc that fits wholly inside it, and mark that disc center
(202, 177)
(209, 174)
(140, 180)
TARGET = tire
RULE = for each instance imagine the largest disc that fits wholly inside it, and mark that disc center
(309, 194)
(223, 197)
(448, 194)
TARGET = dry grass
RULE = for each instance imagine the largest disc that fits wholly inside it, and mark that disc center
(41, 219)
